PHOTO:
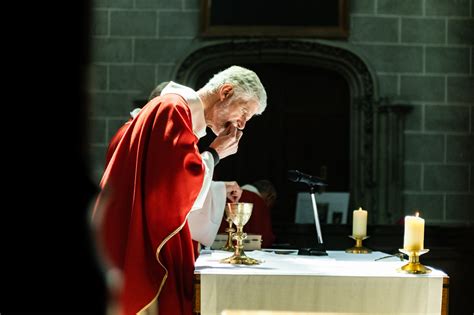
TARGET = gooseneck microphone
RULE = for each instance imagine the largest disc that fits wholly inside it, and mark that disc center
(298, 177)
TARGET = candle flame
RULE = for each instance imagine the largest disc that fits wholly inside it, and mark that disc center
(360, 208)
(417, 214)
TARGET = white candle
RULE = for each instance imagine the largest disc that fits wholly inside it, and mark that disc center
(359, 223)
(414, 233)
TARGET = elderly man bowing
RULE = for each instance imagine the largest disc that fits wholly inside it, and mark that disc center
(157, 179)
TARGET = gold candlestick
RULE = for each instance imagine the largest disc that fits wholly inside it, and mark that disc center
(229, 246)
(414, 266)
(240, 213)
(358, 248)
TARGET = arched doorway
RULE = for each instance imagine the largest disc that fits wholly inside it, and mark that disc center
(308, 111)
(357, 116)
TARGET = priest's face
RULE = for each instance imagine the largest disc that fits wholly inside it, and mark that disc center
(233, 110)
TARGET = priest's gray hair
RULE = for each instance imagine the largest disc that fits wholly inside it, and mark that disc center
(246, 85)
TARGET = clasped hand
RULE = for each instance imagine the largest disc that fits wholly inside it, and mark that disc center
(227, 142)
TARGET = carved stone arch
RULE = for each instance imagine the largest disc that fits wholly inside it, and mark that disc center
(346, 63)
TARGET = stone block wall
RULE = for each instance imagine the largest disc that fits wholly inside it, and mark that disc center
(421, 52)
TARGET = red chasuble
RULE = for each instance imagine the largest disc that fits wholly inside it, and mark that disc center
(148, 189)
(115, 140)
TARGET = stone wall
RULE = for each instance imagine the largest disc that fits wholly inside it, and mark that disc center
(421, 52)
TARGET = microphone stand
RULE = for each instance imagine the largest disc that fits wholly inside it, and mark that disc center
(319, 250)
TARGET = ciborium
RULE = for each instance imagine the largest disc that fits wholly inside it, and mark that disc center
(240, 213)
(229, 246)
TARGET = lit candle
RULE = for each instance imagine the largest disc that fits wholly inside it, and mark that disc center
(414, 233)
(359, 223)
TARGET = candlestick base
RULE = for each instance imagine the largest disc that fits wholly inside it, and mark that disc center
(414, 266)
(358, 248)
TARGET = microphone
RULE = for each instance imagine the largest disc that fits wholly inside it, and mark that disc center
(298, 177)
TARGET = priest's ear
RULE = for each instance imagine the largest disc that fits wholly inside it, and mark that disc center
(226, 91)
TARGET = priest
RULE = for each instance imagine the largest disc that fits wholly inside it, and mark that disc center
(157, 179)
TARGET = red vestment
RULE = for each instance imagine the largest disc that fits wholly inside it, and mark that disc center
(115, 140)
(260, 221)
(148, 189)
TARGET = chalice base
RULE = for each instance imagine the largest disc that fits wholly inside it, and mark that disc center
(240, 260)
(228, 248)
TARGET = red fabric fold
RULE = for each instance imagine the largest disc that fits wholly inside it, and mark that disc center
(114, 141)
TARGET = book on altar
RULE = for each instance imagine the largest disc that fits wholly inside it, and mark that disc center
(252, 242)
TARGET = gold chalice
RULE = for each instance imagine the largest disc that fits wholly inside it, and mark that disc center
(240, 213)
(229, 246)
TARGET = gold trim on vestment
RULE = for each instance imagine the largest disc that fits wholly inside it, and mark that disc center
(158, 249)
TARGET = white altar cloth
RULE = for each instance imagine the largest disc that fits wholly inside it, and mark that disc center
(339, 283)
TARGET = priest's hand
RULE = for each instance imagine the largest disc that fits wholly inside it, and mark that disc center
(233, 191)
(227, 142)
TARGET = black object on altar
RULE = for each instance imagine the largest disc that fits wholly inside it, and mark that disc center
(313, 182)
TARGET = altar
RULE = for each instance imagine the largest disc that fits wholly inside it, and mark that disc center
(340, 283)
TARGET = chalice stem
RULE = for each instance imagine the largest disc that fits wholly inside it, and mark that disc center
(239, 236)
(229, 246)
